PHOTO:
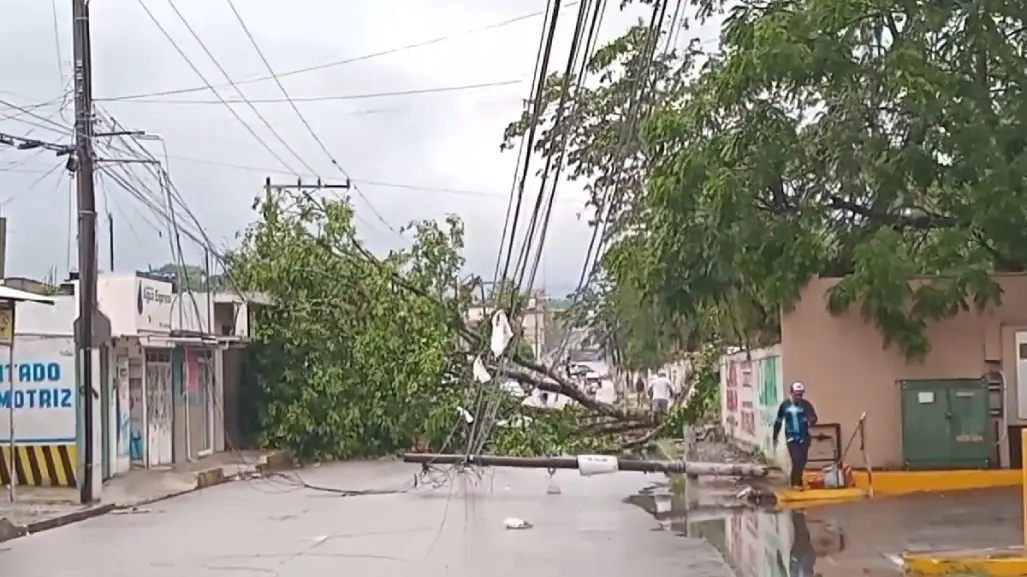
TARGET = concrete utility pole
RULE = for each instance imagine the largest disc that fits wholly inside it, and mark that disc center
(87, 258)
(594, 464)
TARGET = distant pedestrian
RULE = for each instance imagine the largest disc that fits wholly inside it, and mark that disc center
(640, 389)
(796, 415)
(660, 393)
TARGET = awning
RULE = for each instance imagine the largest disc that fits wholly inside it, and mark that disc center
(11, 294)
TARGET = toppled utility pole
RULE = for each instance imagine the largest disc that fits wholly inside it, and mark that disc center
(590, 465)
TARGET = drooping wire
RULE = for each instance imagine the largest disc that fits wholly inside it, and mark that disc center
(517, 190)
(590, 19)
(303, 119)
(337, 97)
(640, 86)
(536, 112)
(337, 63)
(135, 187)
(203, 79)
(611, 196)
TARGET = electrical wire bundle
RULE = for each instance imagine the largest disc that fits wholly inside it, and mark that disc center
(525, 267)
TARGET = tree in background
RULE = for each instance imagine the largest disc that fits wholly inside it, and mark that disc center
(186, 276)
(875, 143)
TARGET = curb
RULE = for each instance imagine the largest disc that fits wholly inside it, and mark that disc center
(209, 478)
(266, 465)
(9, 530)
(275, 462)
(73, 517)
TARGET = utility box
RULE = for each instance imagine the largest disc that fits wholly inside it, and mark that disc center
(946, 424)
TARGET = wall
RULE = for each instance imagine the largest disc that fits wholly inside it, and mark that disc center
(115, 294)
(193, 312)
(43, 407)
(44, 399)
(155, 308)
(751, 389)
(847, 370)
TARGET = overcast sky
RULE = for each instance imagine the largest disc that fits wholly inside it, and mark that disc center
(439, 149)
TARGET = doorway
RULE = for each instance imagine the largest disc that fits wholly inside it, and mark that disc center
(159, 410)
(200, 387)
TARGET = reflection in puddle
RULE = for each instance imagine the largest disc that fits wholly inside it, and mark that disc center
(757, 543)
(779, 543)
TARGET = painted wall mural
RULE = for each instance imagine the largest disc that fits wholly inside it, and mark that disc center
(751, 390)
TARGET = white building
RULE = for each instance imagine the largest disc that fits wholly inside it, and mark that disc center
(534, 321)
(160, 382)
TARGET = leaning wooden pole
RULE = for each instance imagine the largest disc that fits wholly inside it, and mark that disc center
(595, 464)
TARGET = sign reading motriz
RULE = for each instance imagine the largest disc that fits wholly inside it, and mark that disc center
(42, 400)
(154, 299)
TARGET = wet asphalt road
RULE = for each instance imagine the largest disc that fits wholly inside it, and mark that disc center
(608, 525)
(260, 528)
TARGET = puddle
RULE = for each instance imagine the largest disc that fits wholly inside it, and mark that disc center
(761, 542)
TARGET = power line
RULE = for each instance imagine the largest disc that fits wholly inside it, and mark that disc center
(330, 98)
(31, 187)
(588, 18)
(599, 238)
(467, 192)
(24, 143)
(336, 63)
(48, 123)
(303, 119)
(203, 78)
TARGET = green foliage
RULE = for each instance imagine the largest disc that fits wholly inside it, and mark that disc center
(552, 432)
(358, 357)
(349, 363)
(191, 277)
(879, 143)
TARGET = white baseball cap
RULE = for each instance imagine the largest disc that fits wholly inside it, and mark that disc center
(798, 387)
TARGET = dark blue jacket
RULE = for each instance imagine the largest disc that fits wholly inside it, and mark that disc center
(796, 417)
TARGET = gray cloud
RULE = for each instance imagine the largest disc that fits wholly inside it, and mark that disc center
(445, 140)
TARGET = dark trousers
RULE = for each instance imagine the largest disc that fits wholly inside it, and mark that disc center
(798, 453)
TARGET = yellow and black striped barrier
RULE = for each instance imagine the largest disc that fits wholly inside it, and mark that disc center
(40, 465)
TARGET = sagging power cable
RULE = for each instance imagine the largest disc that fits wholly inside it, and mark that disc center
(611, 197)
(589, 17)
(306, 124)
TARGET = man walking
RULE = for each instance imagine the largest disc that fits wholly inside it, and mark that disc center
(797, 415)
(660, 392)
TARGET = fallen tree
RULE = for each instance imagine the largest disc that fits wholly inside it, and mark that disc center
(360, 355)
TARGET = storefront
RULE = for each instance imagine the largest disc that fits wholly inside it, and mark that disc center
(166, 372)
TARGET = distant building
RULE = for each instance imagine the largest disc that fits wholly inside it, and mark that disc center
(34, 286)
(535, 317)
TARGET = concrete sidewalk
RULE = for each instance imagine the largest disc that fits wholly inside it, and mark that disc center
(41, 508)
